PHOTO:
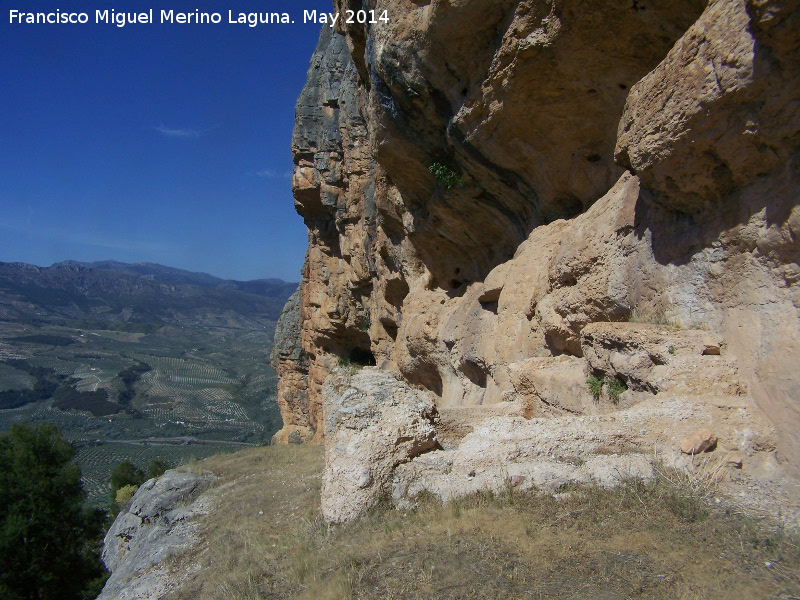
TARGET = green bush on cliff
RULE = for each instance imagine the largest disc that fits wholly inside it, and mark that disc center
(157, 467)
(445, 176)
(124, 496)
(125, 474)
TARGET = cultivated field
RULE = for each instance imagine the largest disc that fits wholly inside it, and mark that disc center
(211, 384)
(97, 460)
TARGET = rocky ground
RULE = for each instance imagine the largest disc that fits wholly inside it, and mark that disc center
(258, 532)
(382, 440)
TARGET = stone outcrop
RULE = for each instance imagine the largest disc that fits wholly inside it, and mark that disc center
(382, 440)
(623, 204)
(161, 521)
(373, 423)
(703, 440)
(720, 110)
(658, 358)
(291, 364)
(332, 168)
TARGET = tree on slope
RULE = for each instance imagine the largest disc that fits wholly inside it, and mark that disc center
(49, 543)
(125, 475)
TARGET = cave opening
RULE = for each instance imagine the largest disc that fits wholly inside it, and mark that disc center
(474, 373)
(362, 356)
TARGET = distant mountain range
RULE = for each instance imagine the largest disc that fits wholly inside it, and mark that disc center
(112, 291)
(270, 288)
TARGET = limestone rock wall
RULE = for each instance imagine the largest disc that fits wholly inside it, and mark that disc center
(617, 161)
(291, 364)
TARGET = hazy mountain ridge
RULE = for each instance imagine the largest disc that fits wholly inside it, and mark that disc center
(269, 287)
(140, 293)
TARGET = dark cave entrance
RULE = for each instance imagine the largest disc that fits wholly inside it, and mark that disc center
(363, 357)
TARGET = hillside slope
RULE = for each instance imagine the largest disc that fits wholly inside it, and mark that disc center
(135, 362)
(256, 533)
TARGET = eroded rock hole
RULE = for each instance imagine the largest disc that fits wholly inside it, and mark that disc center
(474, 373)
(362, 356)
(427, 376)
(390, 327)
(396, 291)
(570, 206)
(490, 306)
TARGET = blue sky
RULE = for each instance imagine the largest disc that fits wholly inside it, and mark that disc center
(162, 143)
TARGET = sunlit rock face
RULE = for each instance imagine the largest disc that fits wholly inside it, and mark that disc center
(609, 161)
(291, 365)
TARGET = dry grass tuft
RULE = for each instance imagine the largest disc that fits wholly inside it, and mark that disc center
(656, 316)
(656, 540)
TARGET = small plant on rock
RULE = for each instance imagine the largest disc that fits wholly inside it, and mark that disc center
(615, 388)
(595, 386)
(125, 495)
(446, 176)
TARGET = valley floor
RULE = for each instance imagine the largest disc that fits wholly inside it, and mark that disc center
(265, 538)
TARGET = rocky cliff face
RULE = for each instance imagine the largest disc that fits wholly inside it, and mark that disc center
(290, 363)
(609, 162)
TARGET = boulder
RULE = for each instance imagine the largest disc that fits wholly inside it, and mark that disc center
(702, 440)
(373, 423)
(161, 520)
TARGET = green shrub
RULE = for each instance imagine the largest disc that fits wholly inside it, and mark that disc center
(49, 543)
(157, 467)
(125, 494)
(595, 386)
(615, 388)
(445, 176)
(126, 473)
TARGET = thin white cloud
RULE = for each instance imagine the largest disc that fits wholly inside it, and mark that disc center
(183, 133)
(86, 238)
(273, 174)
